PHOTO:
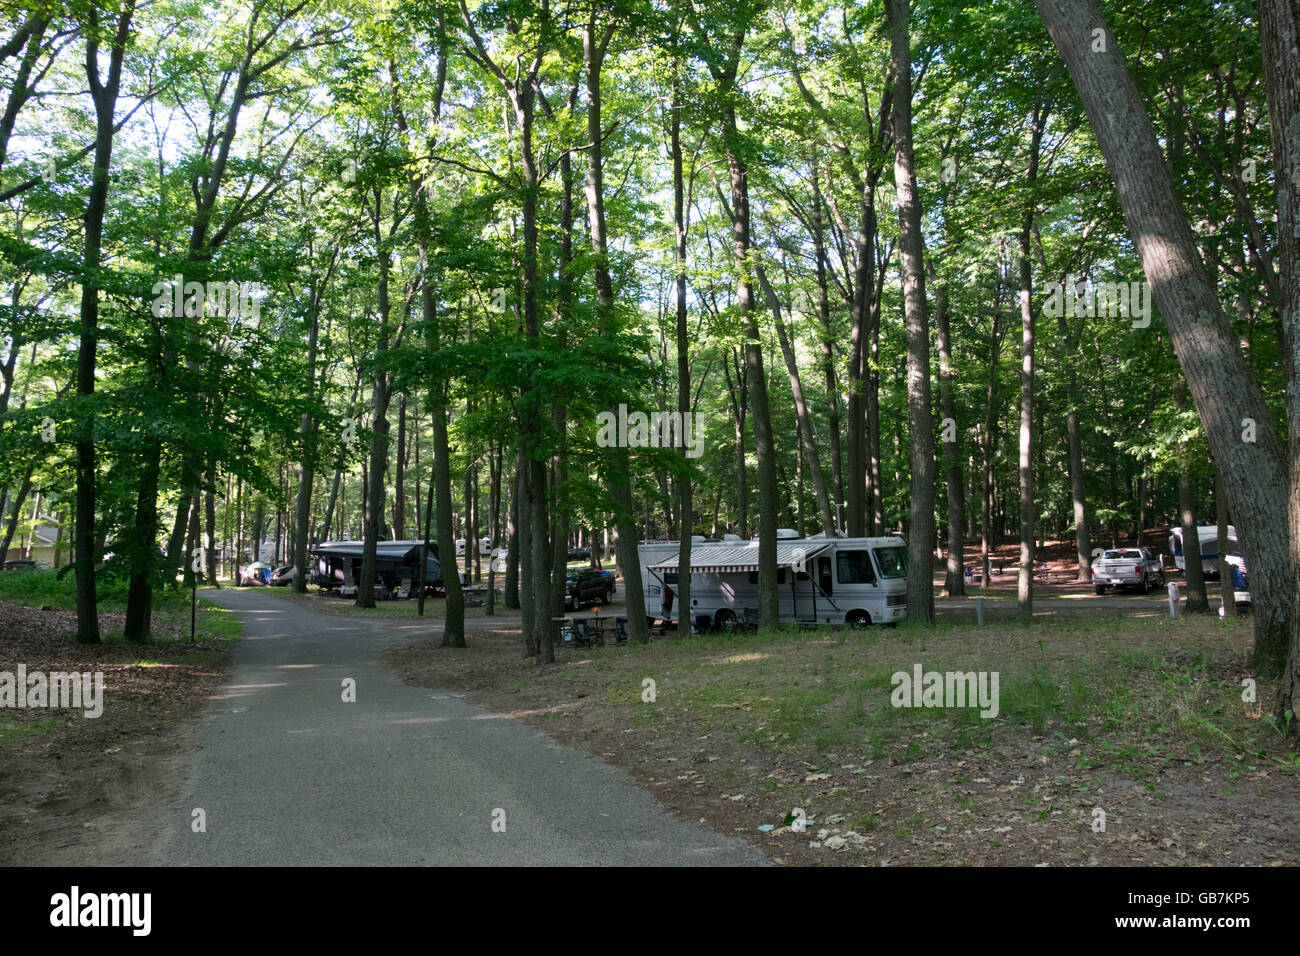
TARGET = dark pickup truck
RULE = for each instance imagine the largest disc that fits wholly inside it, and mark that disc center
(587, 586)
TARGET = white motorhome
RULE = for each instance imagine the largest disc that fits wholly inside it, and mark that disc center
(1209, 539)
(853, 581)
(658, 589)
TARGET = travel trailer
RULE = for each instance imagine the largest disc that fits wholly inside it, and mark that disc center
(853, 581)
(1209, 535)
(335, 564)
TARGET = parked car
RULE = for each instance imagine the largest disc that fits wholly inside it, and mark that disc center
(18, 565)
(587, 586)
(1128, 568)
(580, 554)
(281, 577)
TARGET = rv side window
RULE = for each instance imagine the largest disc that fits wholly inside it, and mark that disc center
(670, 577)
(780, 575)
(854, 567)
(753, 577)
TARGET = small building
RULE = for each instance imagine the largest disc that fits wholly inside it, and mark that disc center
(40, 545)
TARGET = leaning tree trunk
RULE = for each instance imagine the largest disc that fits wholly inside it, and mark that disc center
(1222, 385)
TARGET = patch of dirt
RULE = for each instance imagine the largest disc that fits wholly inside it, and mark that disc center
(1020, 799)
(82, 791)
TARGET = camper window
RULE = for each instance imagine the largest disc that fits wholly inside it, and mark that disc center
(892, 561)
(854, 567)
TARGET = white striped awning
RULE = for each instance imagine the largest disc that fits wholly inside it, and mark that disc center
(724, 558)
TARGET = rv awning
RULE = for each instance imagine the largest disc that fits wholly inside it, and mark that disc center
(398, 552)
(723, 558)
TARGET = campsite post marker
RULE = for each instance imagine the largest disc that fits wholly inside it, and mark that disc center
(194, 603)
(1173, 598)
(979, 612)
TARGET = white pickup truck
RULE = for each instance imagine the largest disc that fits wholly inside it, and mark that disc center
(1128, 568)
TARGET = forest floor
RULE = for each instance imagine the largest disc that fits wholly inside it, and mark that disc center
(1140, 720)
(68, 777)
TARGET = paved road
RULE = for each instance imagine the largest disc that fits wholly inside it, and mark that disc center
(289, 774)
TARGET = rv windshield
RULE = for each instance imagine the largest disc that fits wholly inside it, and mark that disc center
(892, 562)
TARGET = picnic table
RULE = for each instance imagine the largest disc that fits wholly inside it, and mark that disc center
(590, 631)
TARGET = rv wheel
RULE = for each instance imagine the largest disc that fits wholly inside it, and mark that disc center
(724, 620)
(858, 620)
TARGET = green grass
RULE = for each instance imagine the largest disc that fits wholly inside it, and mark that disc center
(44, 586)
(12, 730)
(171, 606)
(1128, 693)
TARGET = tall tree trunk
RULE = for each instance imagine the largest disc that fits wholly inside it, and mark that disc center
(374, 496)
(920, 538)
(989, 440)
(1078, 495)
(738, 392)
(209, 543)
(800, 407)
(828, 345)
(1025, 588)
(103, 91)
(514, 542)
(1227, 589)
(955, 579)
(685, 502)
(453, 632)
(307, 428)
(738, 175)
(1280, 38)
(399, 474)
(629, 562)
(1222, 385)
(1197, 601)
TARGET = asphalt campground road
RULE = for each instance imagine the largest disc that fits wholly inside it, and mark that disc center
(289, 774)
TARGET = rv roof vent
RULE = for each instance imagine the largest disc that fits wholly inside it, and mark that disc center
(731, 537)
(785, 534)
(697, 537)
